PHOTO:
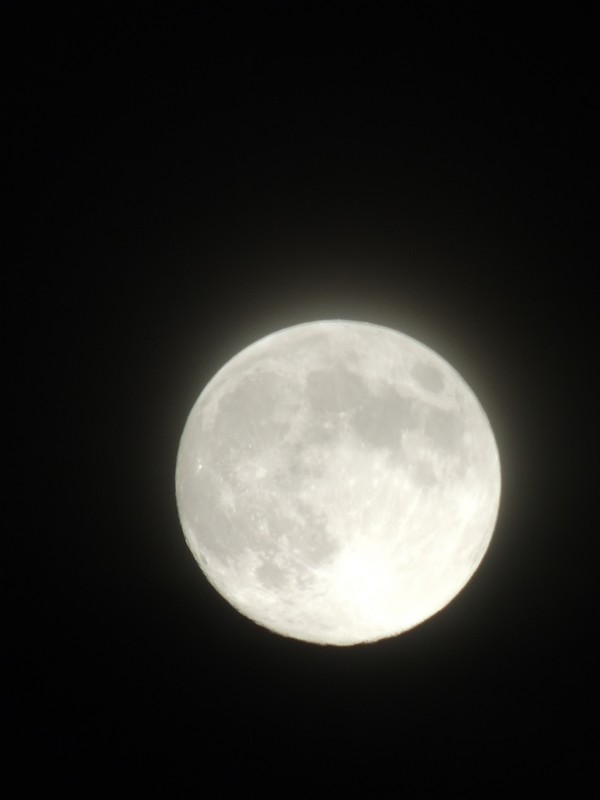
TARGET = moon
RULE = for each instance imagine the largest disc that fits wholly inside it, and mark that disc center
(338, 482)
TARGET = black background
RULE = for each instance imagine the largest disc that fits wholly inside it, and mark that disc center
(185, 180)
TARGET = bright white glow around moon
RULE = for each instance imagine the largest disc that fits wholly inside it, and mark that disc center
(338, 482)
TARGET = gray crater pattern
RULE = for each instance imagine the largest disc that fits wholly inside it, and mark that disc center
(337, 482)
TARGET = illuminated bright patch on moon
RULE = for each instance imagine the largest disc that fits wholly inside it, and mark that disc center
(338, 482)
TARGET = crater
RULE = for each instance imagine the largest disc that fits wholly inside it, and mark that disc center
(271, 576)
(423, 474)
(260, 406)
(315, 545)
(382, 421)
(210, 519)
(428, 376)
(445, 429)
(335, 390)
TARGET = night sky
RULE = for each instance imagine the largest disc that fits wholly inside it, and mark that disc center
(183, 182)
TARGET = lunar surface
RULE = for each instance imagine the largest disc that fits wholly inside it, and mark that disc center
(338, 482)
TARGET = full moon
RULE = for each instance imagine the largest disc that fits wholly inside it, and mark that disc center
(338, 482)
